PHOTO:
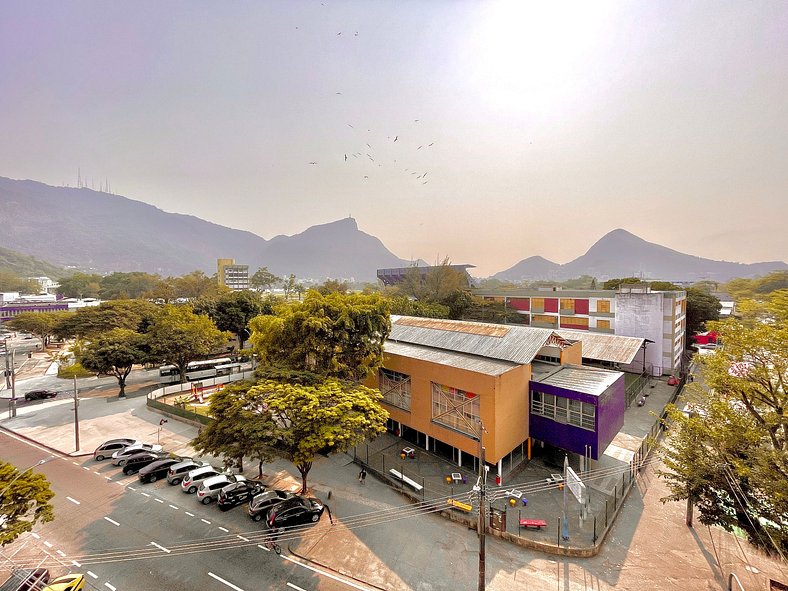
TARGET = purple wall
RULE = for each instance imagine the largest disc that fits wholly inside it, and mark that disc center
(8, 311)
(609, 420)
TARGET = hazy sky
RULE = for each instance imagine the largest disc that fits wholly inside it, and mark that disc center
(541, 126)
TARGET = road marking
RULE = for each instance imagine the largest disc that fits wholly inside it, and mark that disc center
(75, 463)
(205, 521)
(61, 553)
(158, 500)
(75, 563)
(189, 514)
(221, 580)
(174, 507)
(132, 488)
(47, 544)
(112, 521)
(96, 472)
(240, 537)
(86, 468)
(76, 502)
(224, 529)
(35, 535)
(296, 587)
(263, 548)
(119, 482)
(145, 495)
(108, 477)
(326, 574)
(162, 548)
(92, 574)
(110, 587)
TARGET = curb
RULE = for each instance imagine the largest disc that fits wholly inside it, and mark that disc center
(325, 566)
(72, 454)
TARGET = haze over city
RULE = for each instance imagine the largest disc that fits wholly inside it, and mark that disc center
(486, 132)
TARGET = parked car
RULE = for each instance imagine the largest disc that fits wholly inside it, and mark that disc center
(211, 487)
(178, 472)
(295, 511)
(238, 492)
(26, 580)
(139, 460)
(119, 457)
(39, 394)
(106, 449)
(261, 503)
(72, 582)
(157, 470)
(193, 480)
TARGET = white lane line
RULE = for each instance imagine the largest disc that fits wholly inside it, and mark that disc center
(61, 553)
(108, 477)
(145, 495)
(110, 587)
(35, 535)
(47, 544)
(96, 472)
(240, 537)
(224, 529)
(119, 482)
(326, 574)
(221, 580)
(263, 548)
(86, 468)
(162, 548)
(75, 563)
(158, 500)
(189, 514)
(132, 488)
(112, 521)
(92, 574)
(173, 507)
(75, 463)
(296, 587)
(76, 502)
(205, 521)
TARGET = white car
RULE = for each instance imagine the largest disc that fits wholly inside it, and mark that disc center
(210, 487)
(194, 479)
(120, 456)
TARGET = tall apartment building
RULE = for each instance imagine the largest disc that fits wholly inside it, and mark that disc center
(633, 310)
(236, 277)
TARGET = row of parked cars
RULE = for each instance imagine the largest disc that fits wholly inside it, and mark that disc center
(278, 508)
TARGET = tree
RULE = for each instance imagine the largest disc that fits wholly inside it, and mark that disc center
(701, 308)
(178, 336)
(289, 285)
(11, 282)
(326, 418)
(41, 324)
(80, 285)
(115, 352)
(332, 286)
(136, 315)
(612, 284)
(406, 306)
(241, 426)
(263, 279)
(335, 335)
(196, 284)
(739, 478)
(125, 286)
(24, 501)
(234, 310)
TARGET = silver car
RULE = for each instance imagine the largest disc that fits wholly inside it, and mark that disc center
(194, 479)
(119, 457)
(211, 487)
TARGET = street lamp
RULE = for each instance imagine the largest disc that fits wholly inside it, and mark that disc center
(18, 476)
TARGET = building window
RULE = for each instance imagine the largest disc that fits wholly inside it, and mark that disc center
(603, 306)
(537, 304)
(552, 320)
(563, 410)
(548, 358)
(395, 387)
(603, 324)
(567, 306)
(455, 408)
(575, 322)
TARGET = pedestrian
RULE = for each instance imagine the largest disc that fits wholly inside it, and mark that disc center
(362, 475)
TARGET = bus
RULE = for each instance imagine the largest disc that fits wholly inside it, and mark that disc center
(198, 370)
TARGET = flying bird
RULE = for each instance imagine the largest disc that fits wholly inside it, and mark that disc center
(345, 157)
(368, 146)
(366, 177)
(350, 126)
(338, 34)
(430, 144)
(425, 182)
(396, 138)
(313, 163)
(420, 147)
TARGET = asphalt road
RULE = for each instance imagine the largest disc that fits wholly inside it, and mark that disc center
(127, 536)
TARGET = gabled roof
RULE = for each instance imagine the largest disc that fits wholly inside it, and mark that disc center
(474, 363)
(518, 344)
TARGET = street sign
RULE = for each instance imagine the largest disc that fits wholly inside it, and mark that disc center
(575, 485)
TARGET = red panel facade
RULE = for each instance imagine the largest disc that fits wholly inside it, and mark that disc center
(551, 304)
(520, 303)
(581, 306)
(567, 323)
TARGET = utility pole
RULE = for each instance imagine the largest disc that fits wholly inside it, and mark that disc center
(482, 512)
(76, 414)
(564, 520)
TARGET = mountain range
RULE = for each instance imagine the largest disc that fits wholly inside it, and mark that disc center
(100, 232)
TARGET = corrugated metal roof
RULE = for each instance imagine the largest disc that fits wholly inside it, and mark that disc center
(518, 344)
(483, 365)
(588, 380)
(605, 347)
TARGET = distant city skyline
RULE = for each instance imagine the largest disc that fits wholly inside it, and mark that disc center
(487, 132)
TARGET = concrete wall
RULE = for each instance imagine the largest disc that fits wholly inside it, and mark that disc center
(573, 354)
(641, 315)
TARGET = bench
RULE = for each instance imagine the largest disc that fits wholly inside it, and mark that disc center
(399, 476)
(455, 504)
(536, 523)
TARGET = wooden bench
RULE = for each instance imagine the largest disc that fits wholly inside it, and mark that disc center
(455, 504)
(535, 523)
(399, 476)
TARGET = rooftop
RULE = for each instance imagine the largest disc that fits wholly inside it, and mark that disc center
(474, 363)
(587, 380)
(604, 347)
